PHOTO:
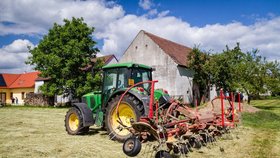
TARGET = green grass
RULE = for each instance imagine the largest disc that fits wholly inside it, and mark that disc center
(267, 118)
(266, 124)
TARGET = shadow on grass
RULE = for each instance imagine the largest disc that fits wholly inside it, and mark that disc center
(262, 120)
(94, 131)
(268, 107)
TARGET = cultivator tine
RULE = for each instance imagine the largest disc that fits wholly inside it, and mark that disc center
(189, 146)
(182, 150)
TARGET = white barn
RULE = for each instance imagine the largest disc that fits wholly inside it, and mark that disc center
(168, 58)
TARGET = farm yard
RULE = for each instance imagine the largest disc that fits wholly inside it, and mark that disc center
(40, 132)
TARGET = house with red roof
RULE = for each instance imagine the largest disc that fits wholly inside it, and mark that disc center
(14, 87)
(168, 58)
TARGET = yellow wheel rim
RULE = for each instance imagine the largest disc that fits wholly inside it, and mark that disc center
(73, 122)
(126, 113)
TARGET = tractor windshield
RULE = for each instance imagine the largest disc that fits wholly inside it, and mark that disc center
(121, 78)
(141, 75)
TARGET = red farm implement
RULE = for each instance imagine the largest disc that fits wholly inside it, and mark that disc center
(176, 126)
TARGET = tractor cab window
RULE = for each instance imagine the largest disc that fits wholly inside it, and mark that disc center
(122, 79)
(110, 80)
(140, 75)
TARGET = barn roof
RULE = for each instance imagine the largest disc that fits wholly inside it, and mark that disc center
(179, 53)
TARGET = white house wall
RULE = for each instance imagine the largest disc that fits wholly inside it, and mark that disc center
(184, 83)
(144, 51)
(38, 84)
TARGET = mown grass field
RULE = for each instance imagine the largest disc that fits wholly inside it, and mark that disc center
(39, 132)
(266, 124)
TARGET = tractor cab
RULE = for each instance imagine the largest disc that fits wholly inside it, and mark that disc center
(118, 77)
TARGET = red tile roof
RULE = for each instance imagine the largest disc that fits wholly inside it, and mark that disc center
(26, 80)
(10, 79)
(179, 53)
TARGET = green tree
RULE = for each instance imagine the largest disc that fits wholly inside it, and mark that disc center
(62, 55)
(273, 77)
(234, 70)
(197, 61)
(223, 68)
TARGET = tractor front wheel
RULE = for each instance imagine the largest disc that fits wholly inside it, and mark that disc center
(74, 122)
(117, 124)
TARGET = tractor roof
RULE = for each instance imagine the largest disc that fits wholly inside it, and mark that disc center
(127, 65)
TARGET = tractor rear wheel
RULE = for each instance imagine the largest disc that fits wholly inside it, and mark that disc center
(74, 122)
(129, 108)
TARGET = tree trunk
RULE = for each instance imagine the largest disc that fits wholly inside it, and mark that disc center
(248, 94)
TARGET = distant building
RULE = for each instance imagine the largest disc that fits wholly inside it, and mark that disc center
(107, 59)
(168, 58)
(14, 87)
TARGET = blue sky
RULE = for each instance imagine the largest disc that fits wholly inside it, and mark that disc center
(212, 24)
(203, 12)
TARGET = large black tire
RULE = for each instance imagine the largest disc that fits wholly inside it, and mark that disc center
(132, 146)
(72, 116)
(163, 154)
(133, 103)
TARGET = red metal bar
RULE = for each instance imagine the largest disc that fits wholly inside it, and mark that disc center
(139, 83)
(239, 107)
(175, 122)
(196, 110)
(222, 106)
(151, 101)
(232, 107)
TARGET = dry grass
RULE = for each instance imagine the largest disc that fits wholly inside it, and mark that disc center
(39, 132)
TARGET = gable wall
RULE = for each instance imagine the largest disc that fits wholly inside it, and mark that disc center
(172, 78)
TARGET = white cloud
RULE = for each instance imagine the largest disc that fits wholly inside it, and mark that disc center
(14, 55)
(263, 35)
(36, 17)
(146, 4)
(163, 13)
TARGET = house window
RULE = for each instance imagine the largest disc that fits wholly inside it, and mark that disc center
(22, 95)
(11, 94)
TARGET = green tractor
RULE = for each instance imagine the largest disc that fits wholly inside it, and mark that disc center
(99, 108)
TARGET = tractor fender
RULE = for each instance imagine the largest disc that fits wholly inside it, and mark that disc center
(86, 113)
(144, 99)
